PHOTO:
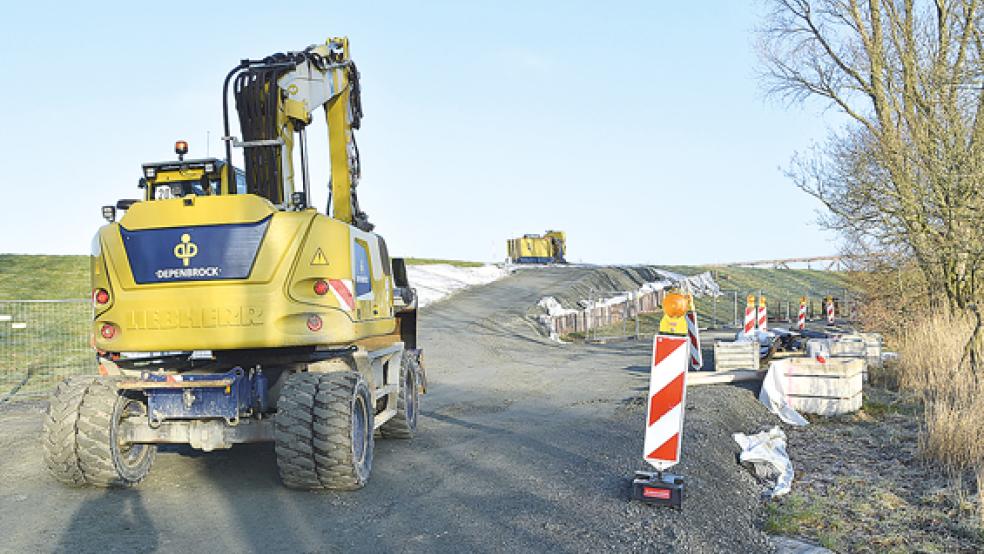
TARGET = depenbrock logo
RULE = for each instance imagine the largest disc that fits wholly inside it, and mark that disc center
(204, 252)
(185, 250)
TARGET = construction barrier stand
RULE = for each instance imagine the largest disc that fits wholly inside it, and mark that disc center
(667, 393)
(693, 337)
(664, 422)
(750, 315)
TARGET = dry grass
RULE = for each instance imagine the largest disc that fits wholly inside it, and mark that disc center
(930, 355)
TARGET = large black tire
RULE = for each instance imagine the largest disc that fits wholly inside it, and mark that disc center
(404, 423)
(104, 461)
(81, 440)
(58, 434)
(324, 431)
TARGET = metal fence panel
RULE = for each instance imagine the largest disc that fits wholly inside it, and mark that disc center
(41, 342)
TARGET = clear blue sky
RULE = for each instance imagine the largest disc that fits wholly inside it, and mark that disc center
(639, 129)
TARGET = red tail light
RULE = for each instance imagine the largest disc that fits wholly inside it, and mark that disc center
(321, 287)
(108, 331)
(100, 296)
(314, 323)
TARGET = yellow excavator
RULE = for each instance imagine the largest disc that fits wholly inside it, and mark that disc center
(548, 248)
(229, 310)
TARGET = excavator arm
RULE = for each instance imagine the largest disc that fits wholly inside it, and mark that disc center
(276, 98)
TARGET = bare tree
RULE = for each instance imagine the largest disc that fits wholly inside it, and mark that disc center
(906, 176)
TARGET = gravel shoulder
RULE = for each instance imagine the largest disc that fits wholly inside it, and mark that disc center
(524, 445)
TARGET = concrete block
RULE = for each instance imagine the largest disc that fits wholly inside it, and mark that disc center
(735, 355)
(873, 348)
(849, 346)
(830, 388)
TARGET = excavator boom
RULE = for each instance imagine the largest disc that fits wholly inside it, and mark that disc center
(275, 99)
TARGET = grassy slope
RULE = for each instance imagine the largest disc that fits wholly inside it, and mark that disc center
(778, 285)
(24, 277)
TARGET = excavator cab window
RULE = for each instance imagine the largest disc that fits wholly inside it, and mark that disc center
(178, 189)
(240, 181)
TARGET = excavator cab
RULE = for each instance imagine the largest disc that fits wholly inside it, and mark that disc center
(198, 177)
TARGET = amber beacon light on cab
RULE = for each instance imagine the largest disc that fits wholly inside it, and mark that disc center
(228, 310)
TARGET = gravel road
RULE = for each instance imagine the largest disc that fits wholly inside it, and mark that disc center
(524, 446)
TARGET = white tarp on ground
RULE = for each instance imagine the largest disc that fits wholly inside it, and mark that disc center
(773, 394)
(553, 307)
(434, 282)
(766, 452)
(702, 284)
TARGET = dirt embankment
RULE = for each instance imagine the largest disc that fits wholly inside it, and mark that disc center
(597, 281)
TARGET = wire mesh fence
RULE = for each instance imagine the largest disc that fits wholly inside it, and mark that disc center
(42, 341)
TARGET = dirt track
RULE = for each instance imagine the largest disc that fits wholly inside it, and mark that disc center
(524, 445)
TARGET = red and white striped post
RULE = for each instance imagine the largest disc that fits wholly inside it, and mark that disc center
(763, 315)
(693, 336)
(664, 414)
(830, 310)
(750, 314)
(801, 319)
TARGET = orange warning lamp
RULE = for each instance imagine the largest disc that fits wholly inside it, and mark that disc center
(675, 305)
(181, 148)
(674, 309)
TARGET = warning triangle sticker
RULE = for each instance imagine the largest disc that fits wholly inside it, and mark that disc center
(319, 258)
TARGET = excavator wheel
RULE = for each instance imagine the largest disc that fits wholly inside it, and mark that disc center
(404, 423)
(324, 431)
(81, 435)
(58, 439)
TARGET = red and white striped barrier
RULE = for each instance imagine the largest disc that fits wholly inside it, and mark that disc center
(667, 396)
(750, 315)
(693, 336)
(763, 315)
(801, 319)
(830, 311)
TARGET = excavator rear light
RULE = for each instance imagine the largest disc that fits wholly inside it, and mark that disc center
(100, 296)
(314, 323)
(321, 287)
(108, 331)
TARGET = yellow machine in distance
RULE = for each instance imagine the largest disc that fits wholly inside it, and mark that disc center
(550, 247)
(229, 310)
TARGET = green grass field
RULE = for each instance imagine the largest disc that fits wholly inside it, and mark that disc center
(24, 277)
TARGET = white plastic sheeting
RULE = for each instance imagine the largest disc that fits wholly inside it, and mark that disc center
(766, 452)
(436, 281)
(553, 306)
(702, 284)
(773, 394)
